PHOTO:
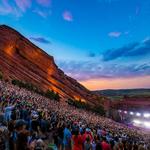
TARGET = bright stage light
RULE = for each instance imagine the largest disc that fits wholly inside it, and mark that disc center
(147, 124)
(125, 112)
(146, 115)
(119, 111)
(137, 121)
(138, 114)
(131, 113)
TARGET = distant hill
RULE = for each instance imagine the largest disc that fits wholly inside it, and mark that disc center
(119, 94)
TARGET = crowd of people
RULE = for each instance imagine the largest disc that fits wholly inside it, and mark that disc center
(29, 121)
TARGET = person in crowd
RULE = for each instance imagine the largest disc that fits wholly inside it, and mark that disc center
(87, 143)
(93, 143)
(21, 135)
(87, 134)
(105, 145)
(4, 134)
(77, 140)
(67, 137)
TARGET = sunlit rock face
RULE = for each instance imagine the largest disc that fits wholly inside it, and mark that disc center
(22, 60)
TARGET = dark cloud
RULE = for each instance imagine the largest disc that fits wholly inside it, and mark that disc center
(40, 40)
(130, 50)
(92, 70)
(147, 41)
(91, 54)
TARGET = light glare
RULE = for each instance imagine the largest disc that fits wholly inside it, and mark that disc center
(147, 124)
(147, 115)
(125, 112)
(138, 114)
(137, 121)
(131, 113)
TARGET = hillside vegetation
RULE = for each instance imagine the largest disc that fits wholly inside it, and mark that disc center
(120, 94)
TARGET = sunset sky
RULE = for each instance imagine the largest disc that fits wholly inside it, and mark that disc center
(104, 44)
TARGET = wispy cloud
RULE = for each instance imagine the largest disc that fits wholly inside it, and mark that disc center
(146, 40)
(114, 34)
(7, 9)
(19, 7)
(40, 40)
(130, 50)
(67, 15)
(45, 3)
(137, 10)
(86, 70)
(43, 14)
(126, 32)
(23, 5)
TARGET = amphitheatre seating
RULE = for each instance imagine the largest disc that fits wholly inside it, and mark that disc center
(31, 121)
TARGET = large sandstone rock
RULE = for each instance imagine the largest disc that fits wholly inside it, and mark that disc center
(20, 59)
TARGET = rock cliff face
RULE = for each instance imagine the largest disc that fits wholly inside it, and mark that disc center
(22, 60)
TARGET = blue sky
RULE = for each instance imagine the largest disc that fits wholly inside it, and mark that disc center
(91, 40)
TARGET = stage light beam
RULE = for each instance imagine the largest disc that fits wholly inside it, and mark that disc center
(138, 114)
(137, 121)
(147, 124)
(125, 112)
(131, 113)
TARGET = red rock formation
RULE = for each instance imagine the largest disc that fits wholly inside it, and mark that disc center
(20, 59)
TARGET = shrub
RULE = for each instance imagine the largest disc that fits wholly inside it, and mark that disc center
(57, 97)
(1, 76)
(14, 82)
(99, 109)
(78, 104)
(82, 105)
(52, 95)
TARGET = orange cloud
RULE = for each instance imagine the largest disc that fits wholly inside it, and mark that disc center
(126, 83)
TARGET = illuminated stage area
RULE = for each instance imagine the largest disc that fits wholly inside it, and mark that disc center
(137, 119)
(141, 123)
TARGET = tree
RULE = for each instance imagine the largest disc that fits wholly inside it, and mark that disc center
(14, 82)
(50, 94)
(57, 97)
(99, 109)
(82, 105)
